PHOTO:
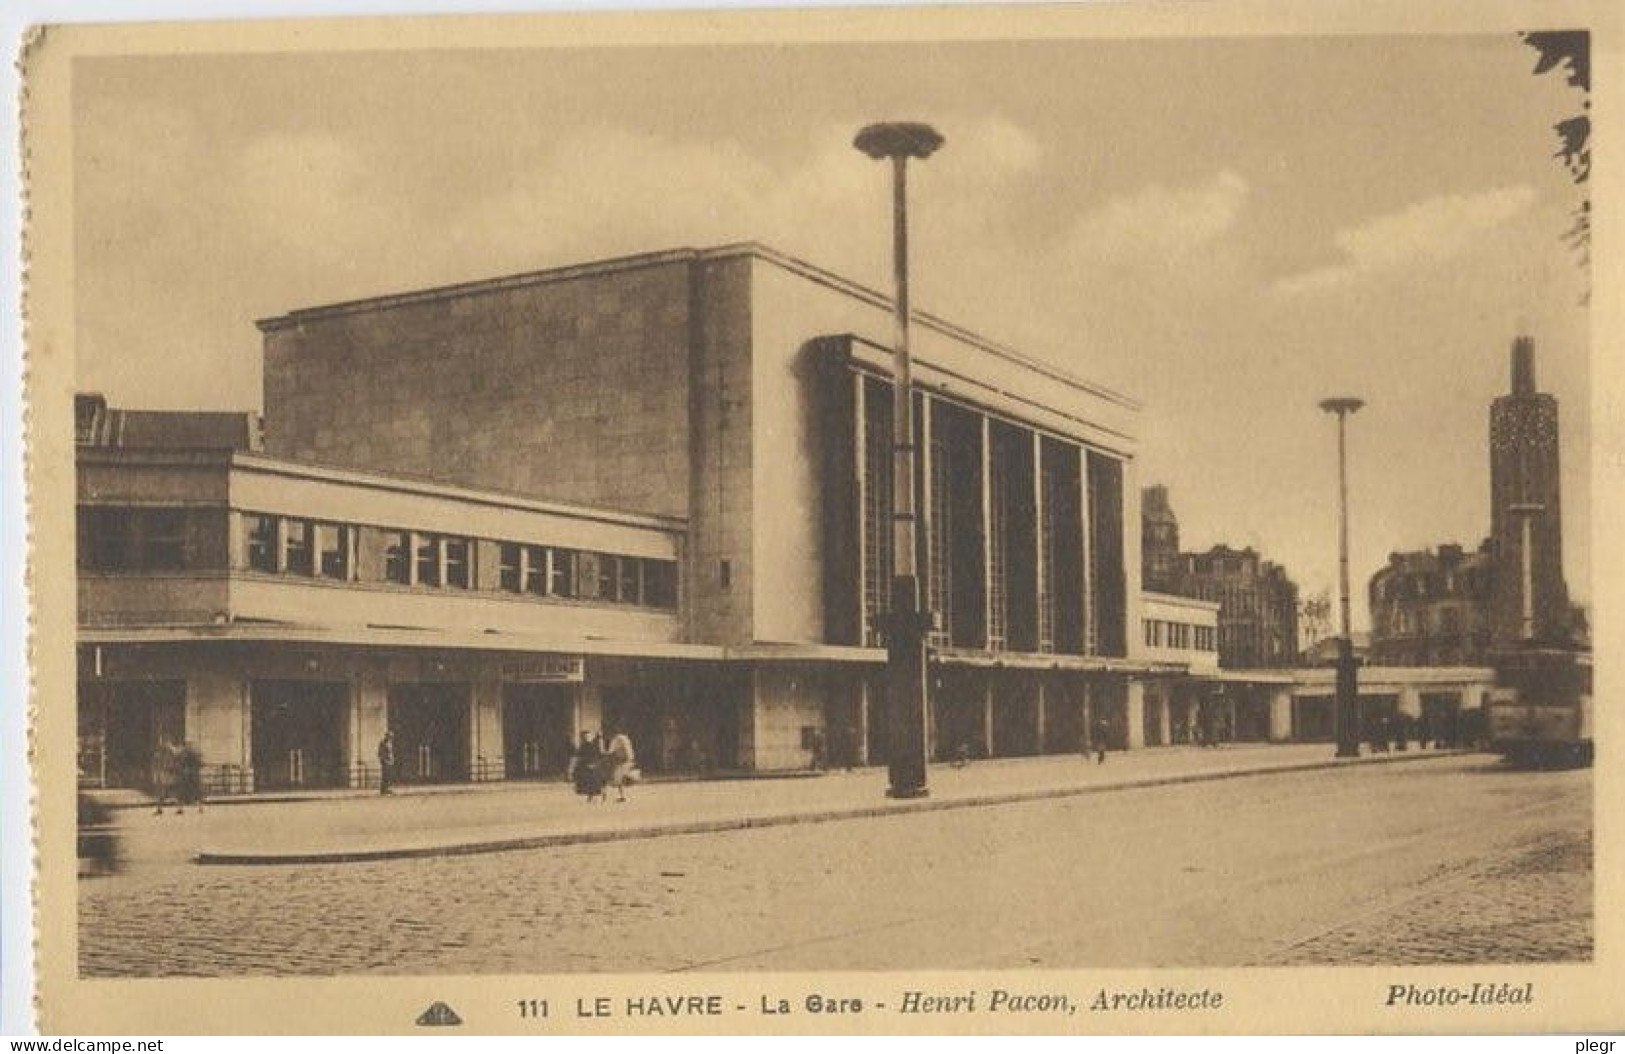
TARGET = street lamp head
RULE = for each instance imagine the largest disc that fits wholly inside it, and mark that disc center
(898, 139)
(1343, 404)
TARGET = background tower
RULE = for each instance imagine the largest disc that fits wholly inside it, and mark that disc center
(1525, 486)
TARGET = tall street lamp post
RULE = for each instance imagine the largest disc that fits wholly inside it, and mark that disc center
(906, 626)
(1348, 690)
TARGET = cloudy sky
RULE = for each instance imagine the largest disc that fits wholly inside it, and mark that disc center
(1228, 230)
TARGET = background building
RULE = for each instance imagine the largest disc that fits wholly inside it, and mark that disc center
(1258, 603)
(1431, 608)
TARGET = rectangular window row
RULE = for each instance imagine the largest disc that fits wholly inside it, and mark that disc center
(543, 570)
(283, 544)
(1182, 635)
(287, 545)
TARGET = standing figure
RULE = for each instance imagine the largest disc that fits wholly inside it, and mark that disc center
(815, 750)
(386, 763)
(1100, 730)
(622, 760)
(188, 777)
(587, 767)
(165, 771)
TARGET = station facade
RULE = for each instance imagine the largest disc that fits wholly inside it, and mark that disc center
(649, 493)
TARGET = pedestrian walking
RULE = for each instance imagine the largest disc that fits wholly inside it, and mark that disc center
(1100, 731)
(622, 763)
(165, 772)
(386, 763)
(815, 750)
(188, 778)
(587, 767)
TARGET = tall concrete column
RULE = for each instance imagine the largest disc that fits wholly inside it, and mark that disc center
(370, 698)
(1039, 715)
(987, 716)
(485, 746)
(862, 745)
(1165, 717)
(1280, 714)
(1134, 713)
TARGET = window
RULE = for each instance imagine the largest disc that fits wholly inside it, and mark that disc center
(456, 562)
(631, 591)
(536, 569)
(259, 532)
(299, 543)
(163, 539)
(1150, 633)
(427, 560)
(398, 557)
(333, 551)
(608, 575)
(510, 570)
(561, 573)
(104, 538)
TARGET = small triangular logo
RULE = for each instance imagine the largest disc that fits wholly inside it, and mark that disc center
(439, 1014)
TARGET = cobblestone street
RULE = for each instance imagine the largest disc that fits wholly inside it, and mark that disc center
(1448, 860)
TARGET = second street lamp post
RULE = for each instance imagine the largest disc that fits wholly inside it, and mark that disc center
(1348, 689)
(906, 625)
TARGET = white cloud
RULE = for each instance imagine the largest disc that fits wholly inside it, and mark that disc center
(610, 190)
(1158, 222)
(1434, 229)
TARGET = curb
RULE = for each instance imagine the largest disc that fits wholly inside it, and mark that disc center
(740, 823)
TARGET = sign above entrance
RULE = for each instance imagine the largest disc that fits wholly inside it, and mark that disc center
(549, 668)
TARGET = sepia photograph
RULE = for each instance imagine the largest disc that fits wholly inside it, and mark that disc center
(708, 500)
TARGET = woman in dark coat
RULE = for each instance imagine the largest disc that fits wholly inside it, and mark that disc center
(587, 767)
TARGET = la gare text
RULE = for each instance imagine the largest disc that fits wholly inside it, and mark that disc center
(913, 1001)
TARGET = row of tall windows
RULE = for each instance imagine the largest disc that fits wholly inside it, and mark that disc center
(1017, 527)
(1160, 633)
(299, 546)
(542, 570)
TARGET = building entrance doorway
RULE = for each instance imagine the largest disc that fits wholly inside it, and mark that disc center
(959, 715)
(538, 724)
(1314, 718)
(299, 731)
(430, 722)
(121, 725)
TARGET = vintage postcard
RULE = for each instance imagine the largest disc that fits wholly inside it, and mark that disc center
(1039, 519)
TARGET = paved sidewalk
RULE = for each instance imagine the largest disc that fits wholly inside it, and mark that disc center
(533, 816)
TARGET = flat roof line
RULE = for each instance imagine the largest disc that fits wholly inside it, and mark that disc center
(638, 261)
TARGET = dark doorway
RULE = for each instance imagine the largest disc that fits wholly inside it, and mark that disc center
(538, 725)
(959, 715)
(1252, 717)
(299, 731)
(430, 722)
(1015, 716)
(1063, 716)
(1314, 719)
(121, 725)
